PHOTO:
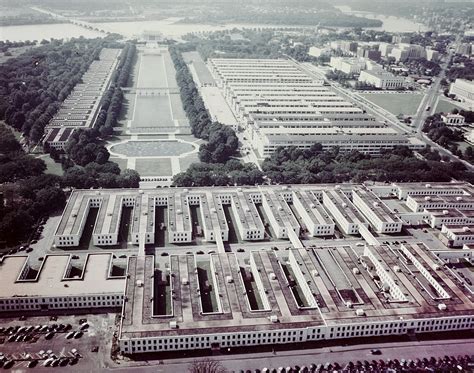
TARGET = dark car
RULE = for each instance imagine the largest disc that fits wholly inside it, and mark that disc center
(49, 335)
(376, 351)
(32, 363)
(8, 364)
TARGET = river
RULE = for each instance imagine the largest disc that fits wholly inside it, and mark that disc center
(48, 31)
(390, 23)
(170, 28)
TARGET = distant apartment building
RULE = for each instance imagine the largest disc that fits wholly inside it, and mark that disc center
(464, 91)
(319, 51)
(385, 49)
(368, 52)
(432, 55)
(405, 52)
(398, 39)
(382, 79)
(464, 49)
(349, 46)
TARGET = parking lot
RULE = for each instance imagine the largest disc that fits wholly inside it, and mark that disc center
(75, 343)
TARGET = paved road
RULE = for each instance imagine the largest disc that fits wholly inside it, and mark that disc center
(342, 355)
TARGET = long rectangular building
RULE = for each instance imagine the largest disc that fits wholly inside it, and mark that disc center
(281, 105)
(81, 107)
(277, 291)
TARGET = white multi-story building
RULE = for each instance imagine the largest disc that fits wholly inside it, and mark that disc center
(346, 215)
(421, 203)
(382, 79)
(316, 219)
(377, 213)
(457, 235)
(366, 140)
(403, 52)
(463, 90)
(247, 218)
(339, 270)
(259, 294)
(280, 104)
(319, 51)
(432, 55)
(437, 218)
(385, 49)
(453, 119)
(403, 190)
(351, 66)
(60, 284)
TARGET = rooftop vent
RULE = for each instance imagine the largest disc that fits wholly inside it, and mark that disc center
(173, 325)
(427, 198)
(442, 307)
(360, 312)
(428, 185)
(458, 198)
(139, 283)
(445, 212)
(274, 318)
(184, 281)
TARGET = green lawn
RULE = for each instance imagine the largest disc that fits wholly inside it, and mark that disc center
(52, 167)
(445, 106)
(396, 103)
(153, 167)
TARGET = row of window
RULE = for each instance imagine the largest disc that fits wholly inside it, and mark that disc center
(291, 336)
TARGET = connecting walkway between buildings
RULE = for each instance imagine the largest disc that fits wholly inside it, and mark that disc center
(367, 236)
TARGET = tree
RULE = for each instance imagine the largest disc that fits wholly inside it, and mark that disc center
(129, 179)
(206, 366)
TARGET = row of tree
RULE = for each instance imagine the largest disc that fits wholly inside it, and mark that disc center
(315, 165)
(112, 100)
(275, 14)
(27, 193)
(222, 142)
(232, 172)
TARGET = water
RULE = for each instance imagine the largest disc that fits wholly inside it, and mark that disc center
(40, 32)
(169, 28)
(390, 23)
